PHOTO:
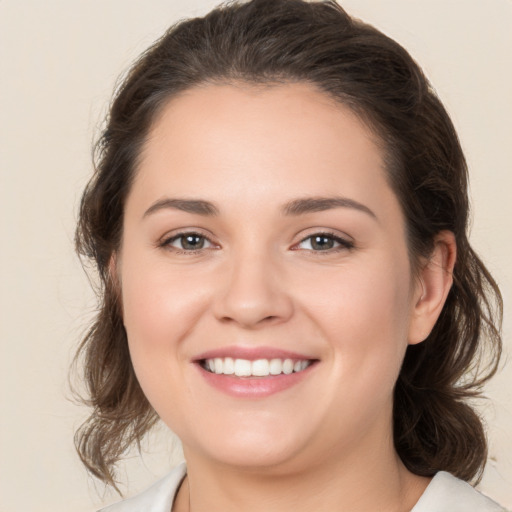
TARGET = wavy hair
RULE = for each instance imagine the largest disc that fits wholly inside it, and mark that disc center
(282, 41)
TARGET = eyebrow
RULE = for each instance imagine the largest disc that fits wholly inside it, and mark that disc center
(197, 206)
(294, 207)
(318, 204)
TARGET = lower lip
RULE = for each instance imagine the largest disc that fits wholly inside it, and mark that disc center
(254, 387)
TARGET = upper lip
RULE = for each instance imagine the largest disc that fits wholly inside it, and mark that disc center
(251, 353)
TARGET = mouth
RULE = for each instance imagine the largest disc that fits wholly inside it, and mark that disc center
(254, 373)
(254, 368)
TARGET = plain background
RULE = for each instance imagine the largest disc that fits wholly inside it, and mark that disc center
(59, 61)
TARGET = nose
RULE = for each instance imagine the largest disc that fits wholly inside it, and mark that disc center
(254, 293)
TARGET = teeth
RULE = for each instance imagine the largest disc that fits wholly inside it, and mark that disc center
(276, 366)
(229, 366)
(242, 368)
(257, 368)
(260, 367)
(288, 366)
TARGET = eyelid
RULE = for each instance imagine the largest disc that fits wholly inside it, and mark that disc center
(166, 240)
(306, 233)
(345, 242)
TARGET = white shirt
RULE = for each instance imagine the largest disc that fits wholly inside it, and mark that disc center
(445, 493)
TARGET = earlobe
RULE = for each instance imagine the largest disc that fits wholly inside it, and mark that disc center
(434, 283)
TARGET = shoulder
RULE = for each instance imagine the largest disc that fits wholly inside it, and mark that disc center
(159, 496)
(447, 493)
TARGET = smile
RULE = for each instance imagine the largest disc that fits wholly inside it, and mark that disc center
(255, 368)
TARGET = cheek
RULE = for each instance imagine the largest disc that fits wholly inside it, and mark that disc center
(158, 306)
(159, 313)
(365, 316)
(160, 309)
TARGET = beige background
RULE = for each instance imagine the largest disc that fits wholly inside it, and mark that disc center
(59, 60)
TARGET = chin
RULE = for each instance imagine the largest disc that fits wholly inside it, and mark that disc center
(256, 459)
(252, 449)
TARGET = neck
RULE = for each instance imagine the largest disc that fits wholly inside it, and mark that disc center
(373, 479)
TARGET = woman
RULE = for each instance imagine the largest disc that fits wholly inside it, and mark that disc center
(279, 222)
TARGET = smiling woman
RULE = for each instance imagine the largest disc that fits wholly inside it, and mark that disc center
(279, 221)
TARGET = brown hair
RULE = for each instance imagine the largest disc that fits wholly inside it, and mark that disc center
(273, 41)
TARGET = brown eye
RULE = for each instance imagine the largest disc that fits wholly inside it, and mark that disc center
(321, 242)
(188, 242)
(191, 242)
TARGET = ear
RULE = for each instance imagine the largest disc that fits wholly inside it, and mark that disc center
(433, 284)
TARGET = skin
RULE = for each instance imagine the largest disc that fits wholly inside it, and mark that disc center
(325, 443)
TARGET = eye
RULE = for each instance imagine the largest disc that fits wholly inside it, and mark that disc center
(188, 242)
(324, 242)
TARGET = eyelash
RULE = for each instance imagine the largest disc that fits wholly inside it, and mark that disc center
(344, 244)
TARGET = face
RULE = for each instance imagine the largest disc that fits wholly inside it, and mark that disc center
(262, 238)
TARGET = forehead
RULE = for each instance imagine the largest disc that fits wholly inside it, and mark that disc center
(254, 143)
